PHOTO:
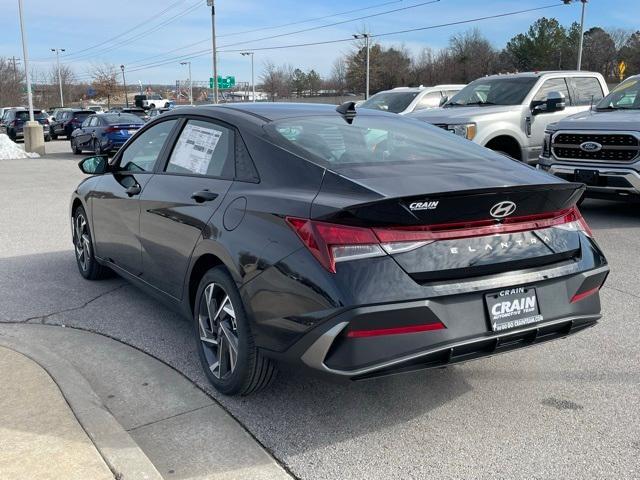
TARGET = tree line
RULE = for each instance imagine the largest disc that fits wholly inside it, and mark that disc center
(546, 45)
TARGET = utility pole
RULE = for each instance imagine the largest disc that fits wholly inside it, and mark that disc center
(211, 3)
(584, 4)
(253, 83)
(57, 52)
(14, 59)
(190, 82)
(124, 82)
(366, 39)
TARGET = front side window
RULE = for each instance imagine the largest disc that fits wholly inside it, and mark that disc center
(624, 96)
(552, 85)
(395, 102)
(142, 154)
(493, 91)
(203, 148)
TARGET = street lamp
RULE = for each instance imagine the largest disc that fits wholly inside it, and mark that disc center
(366, 39)
(253, 83)
(190, 82)
(57, 52)
(124, 82)
(584, 4)
(211, 3)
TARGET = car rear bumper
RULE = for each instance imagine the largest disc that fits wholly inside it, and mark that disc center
(612, 180)
(466, 335)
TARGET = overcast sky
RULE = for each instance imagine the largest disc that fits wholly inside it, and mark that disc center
(77, 25)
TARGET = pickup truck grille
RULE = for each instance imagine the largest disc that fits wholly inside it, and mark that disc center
(616, 147)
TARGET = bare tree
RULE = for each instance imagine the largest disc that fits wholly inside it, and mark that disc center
(11, 82)
(105, 81)
(68, 77)
(620, 36)
(277, 81)
(338, 79)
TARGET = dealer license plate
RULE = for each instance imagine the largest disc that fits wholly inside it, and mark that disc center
(512, 308)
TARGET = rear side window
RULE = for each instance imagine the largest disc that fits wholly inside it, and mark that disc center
(203, 148)
(553, 85)
(430, 100)
(585, 90)
(142, 154)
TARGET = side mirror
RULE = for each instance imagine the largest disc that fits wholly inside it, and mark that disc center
(94, 165)
(555, 102)
(443, 100)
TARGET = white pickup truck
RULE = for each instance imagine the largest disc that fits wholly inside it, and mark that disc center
(510, 113)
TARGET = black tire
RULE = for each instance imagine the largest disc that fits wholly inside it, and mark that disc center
(75, 148)
(97, 150)
(252, 371)
(83, 247)
(53, 134)
(12, 136)
(47, 138)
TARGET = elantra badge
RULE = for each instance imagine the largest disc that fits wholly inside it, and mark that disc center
(590, 147)
(502, 209)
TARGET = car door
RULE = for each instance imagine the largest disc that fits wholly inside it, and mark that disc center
(115, 201)
(85, 133)
(539, 123)
(180, 199)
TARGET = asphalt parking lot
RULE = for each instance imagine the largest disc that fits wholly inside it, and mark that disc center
(567, 409)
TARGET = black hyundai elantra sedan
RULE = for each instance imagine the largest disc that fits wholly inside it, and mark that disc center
(357, 244)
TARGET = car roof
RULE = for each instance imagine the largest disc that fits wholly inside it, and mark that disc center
(423, 88)
(275, 111)
(536, 74)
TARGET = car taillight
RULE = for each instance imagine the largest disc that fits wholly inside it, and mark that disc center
(332, 243)
(112, 129)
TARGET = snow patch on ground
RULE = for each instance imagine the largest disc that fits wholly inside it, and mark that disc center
(10, 150)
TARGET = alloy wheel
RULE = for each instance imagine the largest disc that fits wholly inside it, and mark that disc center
(218, 331)
(82, 242)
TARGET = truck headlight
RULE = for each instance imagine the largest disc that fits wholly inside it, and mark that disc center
(546, 145)
(465, 130)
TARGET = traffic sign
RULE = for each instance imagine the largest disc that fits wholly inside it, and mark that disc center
(224, 83)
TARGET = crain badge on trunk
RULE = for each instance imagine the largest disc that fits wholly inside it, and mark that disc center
(424, 205)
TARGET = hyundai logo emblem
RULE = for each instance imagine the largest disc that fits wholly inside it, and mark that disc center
(590, 147)
(502, 209)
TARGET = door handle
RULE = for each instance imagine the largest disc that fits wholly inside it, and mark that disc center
(203, 196)
(133, 190)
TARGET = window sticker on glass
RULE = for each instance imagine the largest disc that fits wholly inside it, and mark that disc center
(195, 148)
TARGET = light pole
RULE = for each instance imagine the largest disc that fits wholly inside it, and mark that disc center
(190, 82)
(57, 52)
(211, 3)
(253, 83)
(366, 39)
(584, 4)
(26, 61)
(124, 82)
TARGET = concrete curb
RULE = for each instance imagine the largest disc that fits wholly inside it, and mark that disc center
(118, 449)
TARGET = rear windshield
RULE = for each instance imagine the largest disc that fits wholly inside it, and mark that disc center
(371, 139)
(24, 115)
(494, 91)
(115, 118)
(395, 102)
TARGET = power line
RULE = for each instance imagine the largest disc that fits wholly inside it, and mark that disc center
(141, 24)
(201, 53)
(341, 22)
(274, 27)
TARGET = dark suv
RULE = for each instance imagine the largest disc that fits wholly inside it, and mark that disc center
(13, 121)
(67, 121)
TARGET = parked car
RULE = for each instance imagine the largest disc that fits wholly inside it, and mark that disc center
(3, 110)
(151, 101)
(284, 234)
(14, 119)
(405, 100)
(138, 112)
(599, 147)
(96, 108)
(154, 112)
(510, 113)
(68, 121)
(104, 133)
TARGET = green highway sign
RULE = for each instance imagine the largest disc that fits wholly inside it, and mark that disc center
(223, 82)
